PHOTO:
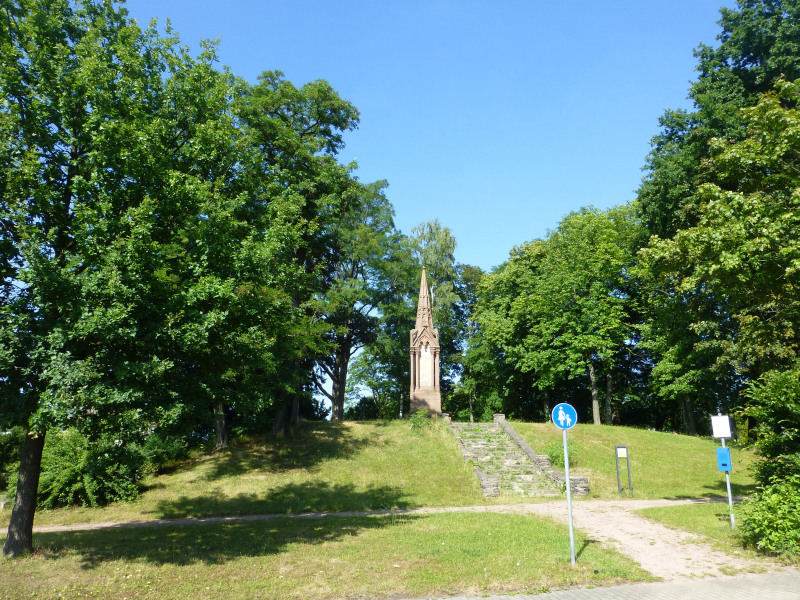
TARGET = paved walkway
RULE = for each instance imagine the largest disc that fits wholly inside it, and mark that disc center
(777, 586)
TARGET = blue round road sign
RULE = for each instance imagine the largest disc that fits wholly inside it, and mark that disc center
(564, 416)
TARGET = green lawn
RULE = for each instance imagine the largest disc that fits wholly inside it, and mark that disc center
(711, 520)
(323, 467)
(663, 465)
(352, 466)
(302, 558)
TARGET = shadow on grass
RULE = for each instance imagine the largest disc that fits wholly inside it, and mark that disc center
(737, 489)
(208, 544)
(293, 498)
(310, 444)
(584, 546)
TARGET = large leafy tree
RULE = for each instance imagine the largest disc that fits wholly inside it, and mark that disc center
(162, 229)
(296, 133)
(559, 308)
(759, 43)
(358, 285)
(744, 252)
(69, 124)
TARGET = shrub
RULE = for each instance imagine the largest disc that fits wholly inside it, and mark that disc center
(160, 450)
(420, 420)
(76, 471)
(10, 445)
(771, 519)
(774, 404)
(555, 452)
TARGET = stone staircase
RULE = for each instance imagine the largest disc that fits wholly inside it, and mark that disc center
(500, 464)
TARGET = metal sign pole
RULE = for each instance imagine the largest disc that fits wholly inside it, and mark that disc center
(564, 417)
(721, 428)
(730, 496)
(569, 500)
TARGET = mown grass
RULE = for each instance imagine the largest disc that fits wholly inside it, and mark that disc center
(341, 467)
(709, 519)
(663, 465)
(321, 467)
(335, 557)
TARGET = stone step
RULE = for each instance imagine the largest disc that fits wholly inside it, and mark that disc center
(499, 463)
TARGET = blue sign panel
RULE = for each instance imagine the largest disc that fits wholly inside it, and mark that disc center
(564, 416)
(724, 459)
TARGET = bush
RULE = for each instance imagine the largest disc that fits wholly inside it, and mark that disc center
(160, 450)
(10, 445)
(76, 471)
(555, 452)
(774, 404)
(771, 519)
(420, 420)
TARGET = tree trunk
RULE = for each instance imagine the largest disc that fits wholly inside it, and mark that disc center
(609, 420)
(546, 404)
(688, 417)
(279, 427)
(221, 427)
(339, 385)
(471, 402)
(595, 399)
(20, 526)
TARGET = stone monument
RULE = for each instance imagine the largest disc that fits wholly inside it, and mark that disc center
(425, 392)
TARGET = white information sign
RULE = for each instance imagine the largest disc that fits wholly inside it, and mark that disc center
(721, 426)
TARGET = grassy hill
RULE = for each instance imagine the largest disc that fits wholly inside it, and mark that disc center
(663, 465)
(350, 466)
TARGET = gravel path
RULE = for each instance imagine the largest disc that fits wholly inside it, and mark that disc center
(666, 553)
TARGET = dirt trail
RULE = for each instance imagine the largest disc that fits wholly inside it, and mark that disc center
(664, 552)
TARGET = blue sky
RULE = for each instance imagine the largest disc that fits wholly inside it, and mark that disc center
(495, 117)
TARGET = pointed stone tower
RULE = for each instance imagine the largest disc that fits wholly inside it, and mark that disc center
(425, 392)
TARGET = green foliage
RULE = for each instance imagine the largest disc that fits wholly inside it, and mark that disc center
(715, 298)
(10, 444)
(559, 308)
(160, 450)
(420, 421)
(770, 520)
(724, 302)
(774, 405)
(758, 45)
(555, 452)
(77, 472)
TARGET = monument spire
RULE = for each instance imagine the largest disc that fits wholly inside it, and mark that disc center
(424, 312)
(424, 347)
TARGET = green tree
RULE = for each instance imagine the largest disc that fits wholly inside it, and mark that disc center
(743, 254)
(68, 122)
(163, 229)
(559, 308)
(759, 43)
(296, 133)
(357, 287)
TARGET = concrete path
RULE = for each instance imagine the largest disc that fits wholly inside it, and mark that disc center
(776, 586)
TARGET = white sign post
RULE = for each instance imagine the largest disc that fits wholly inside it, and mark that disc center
(721, 428)
(565, 416)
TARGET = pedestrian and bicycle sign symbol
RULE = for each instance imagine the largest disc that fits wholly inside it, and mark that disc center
(564, 416)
